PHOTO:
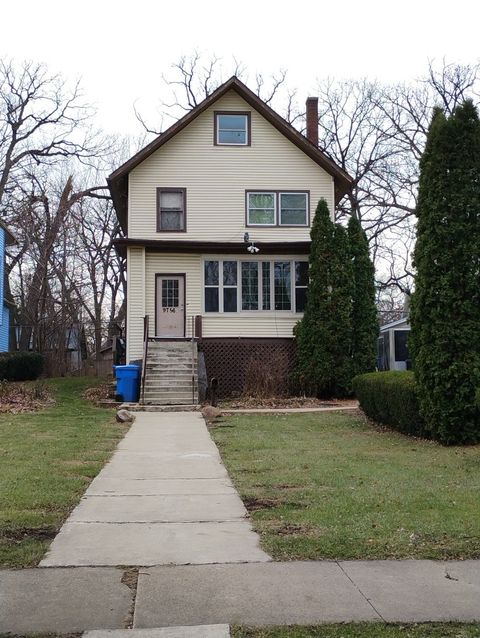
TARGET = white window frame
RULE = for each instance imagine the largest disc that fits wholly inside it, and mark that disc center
(274, 194)
(307, 203)
(239, 258)
(217, 129)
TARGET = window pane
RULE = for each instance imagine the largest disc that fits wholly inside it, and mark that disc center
(211, 273)
(249, 285)
(170, 293)
(295, 217)
(261, 200)
(171, 220)
(232, 122)
(401, 348)
(293, 200)
(229, 273)
(300, 299)
(232, 137)
(282, 285)
(211, 299)
(301, 273)
(259, 216)
(266, 285)
(171, 200)
(230, 300)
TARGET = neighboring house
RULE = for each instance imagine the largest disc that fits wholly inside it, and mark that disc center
(6, 239)
(217, 213)
(393, 351)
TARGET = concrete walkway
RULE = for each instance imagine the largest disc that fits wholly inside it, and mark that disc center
(67, 600)
(164, 498)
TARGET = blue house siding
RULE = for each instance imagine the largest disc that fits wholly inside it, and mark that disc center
(4, 311)
(4, 329)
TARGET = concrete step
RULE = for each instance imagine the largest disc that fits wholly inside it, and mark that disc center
(155, 400)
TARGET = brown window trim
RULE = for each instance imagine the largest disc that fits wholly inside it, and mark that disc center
(249, 126)
(164, 189)
(277, 208)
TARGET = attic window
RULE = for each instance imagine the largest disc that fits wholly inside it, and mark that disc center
(171, 209)
(232, 129)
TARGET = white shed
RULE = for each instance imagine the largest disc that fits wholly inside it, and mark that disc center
(392, 351)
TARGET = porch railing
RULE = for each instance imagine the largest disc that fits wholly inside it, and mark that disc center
(145, 354)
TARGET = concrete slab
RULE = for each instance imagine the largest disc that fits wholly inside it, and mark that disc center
(251, 594)
(34, 601)
(197, 631)
(147, 466)
(103, 486)
(99, 544)
(158, 509)
(417, 590)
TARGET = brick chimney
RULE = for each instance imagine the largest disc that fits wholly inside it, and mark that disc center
(312, 120)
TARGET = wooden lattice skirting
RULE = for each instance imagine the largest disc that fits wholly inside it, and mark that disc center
(229, 359)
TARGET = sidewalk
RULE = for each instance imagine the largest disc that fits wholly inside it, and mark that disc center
(164, 498)
(77, 599)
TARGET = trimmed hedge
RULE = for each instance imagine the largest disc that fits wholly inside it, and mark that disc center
(390, 398)
(21, 366)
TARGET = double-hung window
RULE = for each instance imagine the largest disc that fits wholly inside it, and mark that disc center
(261, 209)
(232, 129)
(251, 285)
(171, 209)
(276, 208)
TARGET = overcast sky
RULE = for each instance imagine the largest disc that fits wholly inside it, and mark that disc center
(120, 49)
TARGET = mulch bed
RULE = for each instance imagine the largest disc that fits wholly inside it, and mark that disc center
(281, 402)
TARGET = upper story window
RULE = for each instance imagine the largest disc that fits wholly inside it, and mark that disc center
(277, 208)
(171, 209)
(232, 129)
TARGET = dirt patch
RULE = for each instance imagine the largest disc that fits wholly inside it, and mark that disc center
(16, 397)
(130, 579)
(292, 529)
(29, 533)
(256, 504)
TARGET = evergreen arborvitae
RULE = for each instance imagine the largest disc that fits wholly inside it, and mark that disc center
(364, 311)
(445, 308)
(323, 335)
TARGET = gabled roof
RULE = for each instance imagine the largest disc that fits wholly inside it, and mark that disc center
(118, 180)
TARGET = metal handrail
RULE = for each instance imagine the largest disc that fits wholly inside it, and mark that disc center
(193, 360)
(145, 354)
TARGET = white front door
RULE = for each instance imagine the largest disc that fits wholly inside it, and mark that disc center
(170, 295)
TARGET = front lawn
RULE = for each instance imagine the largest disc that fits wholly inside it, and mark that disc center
(47, 460)
(329, 485)
(364, 630)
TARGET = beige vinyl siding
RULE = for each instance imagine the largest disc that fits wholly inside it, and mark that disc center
(216, 178)
(240, 324)
(135, 302)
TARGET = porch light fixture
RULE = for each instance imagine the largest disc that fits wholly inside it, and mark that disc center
(252, 248)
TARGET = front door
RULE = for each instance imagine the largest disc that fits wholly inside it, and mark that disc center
(170, 321)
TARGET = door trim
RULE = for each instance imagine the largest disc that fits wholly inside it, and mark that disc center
(172, 274)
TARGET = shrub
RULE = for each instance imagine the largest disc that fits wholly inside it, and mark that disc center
(265, 376)
(391, 398)
(21, 366)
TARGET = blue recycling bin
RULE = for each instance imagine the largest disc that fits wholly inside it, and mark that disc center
(128, 382)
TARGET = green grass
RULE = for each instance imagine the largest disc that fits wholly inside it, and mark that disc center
(332, 486)
(47, 460)
(364, 630)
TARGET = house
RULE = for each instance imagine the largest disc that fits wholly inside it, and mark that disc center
(216, 213)
(6, 239)
(392, 350)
